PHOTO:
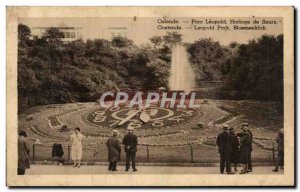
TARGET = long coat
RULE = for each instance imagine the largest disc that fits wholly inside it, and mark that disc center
(23, 153)
(280, 141)
(130, 142)
(76, 150)
(251, 138)
(224, 141)
(114, 149)
(235, 148)
(245, 148)
(280, 147)
(57, 150)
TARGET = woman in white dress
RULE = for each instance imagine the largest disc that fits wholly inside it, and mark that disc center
(76, 147)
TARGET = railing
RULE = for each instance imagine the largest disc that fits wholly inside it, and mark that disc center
(190, 153)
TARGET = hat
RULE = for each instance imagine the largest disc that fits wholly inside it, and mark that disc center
(281, 130)
(23, 133)
(225, 127)
(115, 132)
(245, 124)
(162, 89)
(78, 129)
(231, 129)
(37, 141)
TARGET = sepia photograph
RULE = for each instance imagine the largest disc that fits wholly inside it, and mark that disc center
(163, 95)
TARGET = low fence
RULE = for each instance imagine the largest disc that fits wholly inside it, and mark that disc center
(192, 153)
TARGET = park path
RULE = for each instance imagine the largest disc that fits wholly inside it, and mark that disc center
(96, 169)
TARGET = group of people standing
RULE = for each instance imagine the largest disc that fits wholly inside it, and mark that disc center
(235, 148)
(114, 149)
(113, 144)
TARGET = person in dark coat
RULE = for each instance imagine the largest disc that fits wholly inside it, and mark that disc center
(280, 148)
(130, 141)
(57, 151)
(23, 153)
(224, 141)
(114, 151)
(245, 126)
(234, 157)
(245, 140)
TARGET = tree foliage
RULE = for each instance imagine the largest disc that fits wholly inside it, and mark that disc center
(51, 71)
(256, 71)
(207, 57)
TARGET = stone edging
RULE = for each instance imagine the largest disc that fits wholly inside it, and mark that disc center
(202, 164)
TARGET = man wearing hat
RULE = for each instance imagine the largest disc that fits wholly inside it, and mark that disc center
(245, 127)
(245, 142)
(130, 141)
(23, 153)
(114, 150)
(224, 141)
(280, 149)
(234, 156)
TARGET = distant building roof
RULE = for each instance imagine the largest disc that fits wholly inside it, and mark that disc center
(57, 27)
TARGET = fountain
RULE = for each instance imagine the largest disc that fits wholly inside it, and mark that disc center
(182, 75)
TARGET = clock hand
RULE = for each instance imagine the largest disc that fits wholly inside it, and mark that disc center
(130, 116)
(144, 117)
(130, 112)
(153, 112)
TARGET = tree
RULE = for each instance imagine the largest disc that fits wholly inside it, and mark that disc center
(209, 58)
(23, 34)
(156, 40)
(257, 69)
(174, 37)
(120, 41)
(233, 44)
(52, 72)
(54, 36)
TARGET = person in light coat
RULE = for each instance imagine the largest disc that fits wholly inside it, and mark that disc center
(76, 147)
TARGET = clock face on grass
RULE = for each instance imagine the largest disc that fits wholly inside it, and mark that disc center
(155, 117)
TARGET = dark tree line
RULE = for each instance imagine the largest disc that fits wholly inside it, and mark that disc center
(50, 71)
(256, 70)
(251, 71)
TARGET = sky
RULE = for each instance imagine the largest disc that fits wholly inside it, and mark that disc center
(140, 30)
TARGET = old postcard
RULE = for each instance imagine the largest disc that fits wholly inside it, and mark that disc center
(150, 96)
